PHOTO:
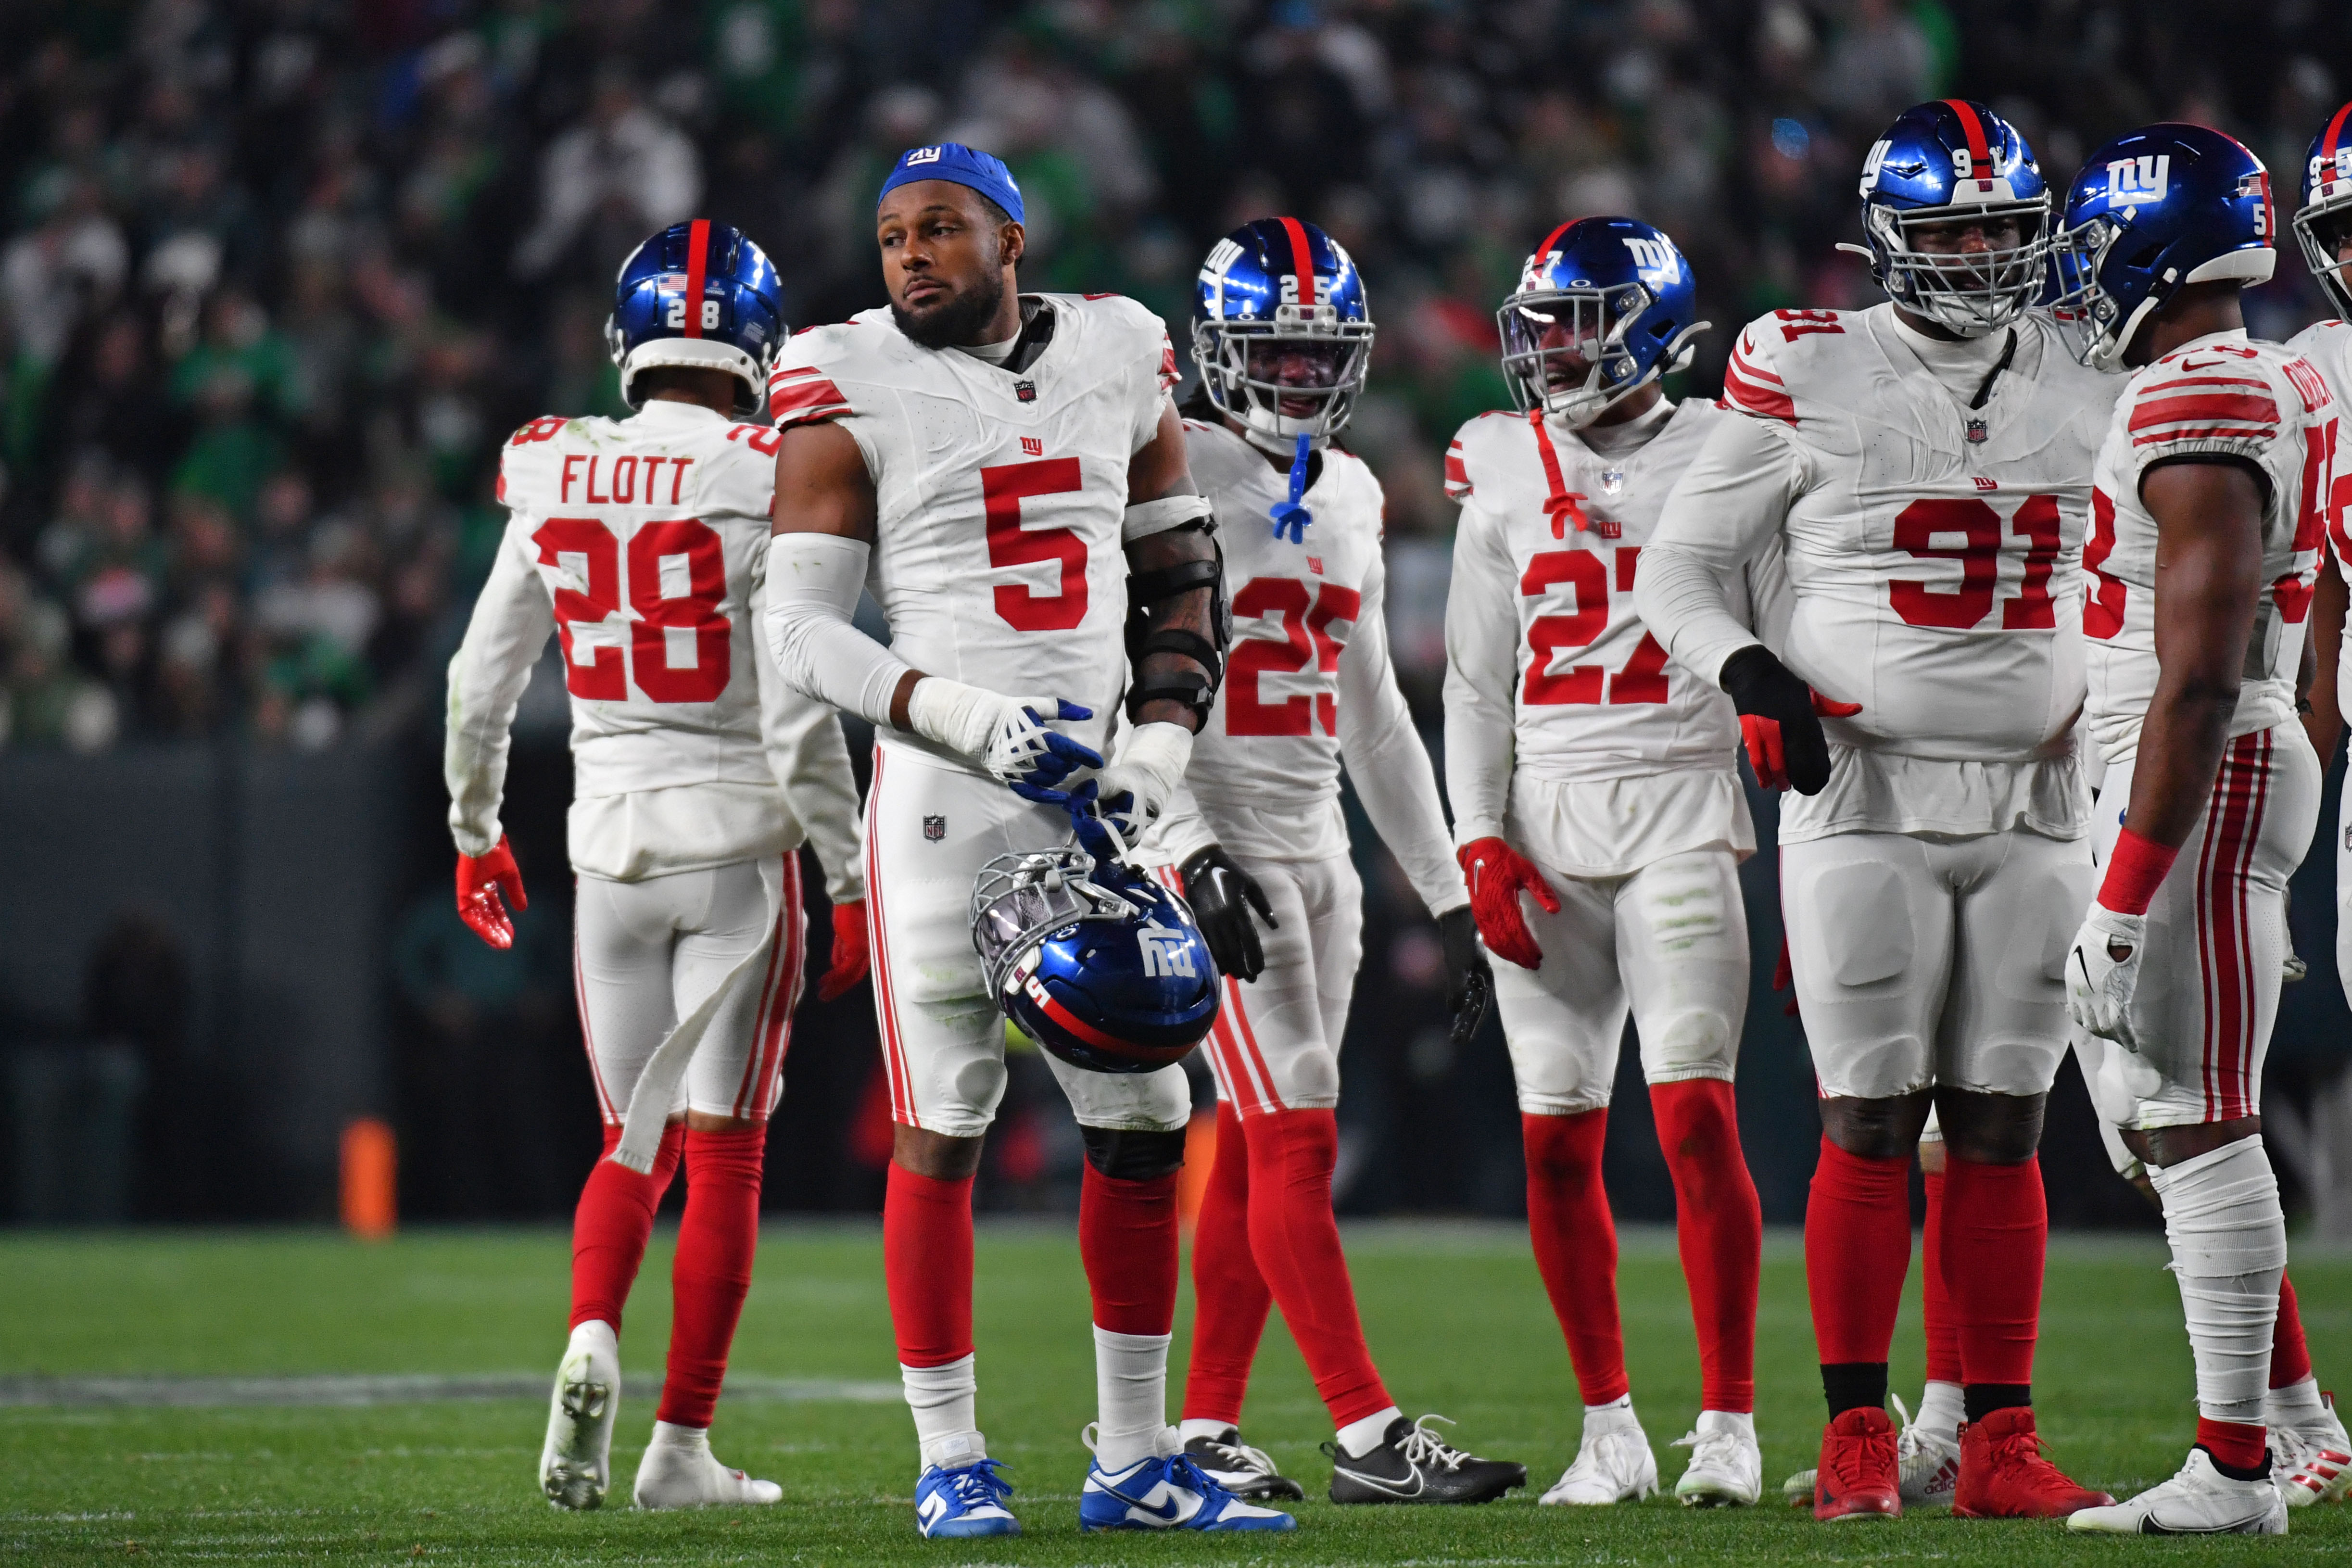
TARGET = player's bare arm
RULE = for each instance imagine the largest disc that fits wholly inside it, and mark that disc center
(2323, 713)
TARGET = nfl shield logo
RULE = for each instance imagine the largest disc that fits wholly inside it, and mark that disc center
(1976, 431)
(935, 828)
(1025, 391)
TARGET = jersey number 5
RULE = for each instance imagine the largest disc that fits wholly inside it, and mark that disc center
(658, 611)
(1644, 679)
(1001, 490)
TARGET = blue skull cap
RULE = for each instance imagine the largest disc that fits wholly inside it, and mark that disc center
(959, 164)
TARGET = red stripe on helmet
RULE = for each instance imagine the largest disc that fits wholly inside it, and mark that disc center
(1971, 127)
(1301, 261)
(698, 246)
(1551, 240)
(2334, 138)
(1132, 1050)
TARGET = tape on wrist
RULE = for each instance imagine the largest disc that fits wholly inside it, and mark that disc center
(2136, 868)
(1145, 519)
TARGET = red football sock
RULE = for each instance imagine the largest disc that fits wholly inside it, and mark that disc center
(927, 1266)
(1994, 1234)
(1719, 1226)
(1295, 1241)
(1230, 1298)
(2290, 1357)
(713, 1271)
(2234, 1443)
(1943, 1324)
(1127, 1239)
(1576, 1244)
(1857, 1249)
(610, 1228)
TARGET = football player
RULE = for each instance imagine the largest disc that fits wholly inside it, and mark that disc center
(1283, 335)
(1007, 474)
(1927, 464)
(2217, 455)
(697, 774)
(1588, 773)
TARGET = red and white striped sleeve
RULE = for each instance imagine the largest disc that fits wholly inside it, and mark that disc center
(2226, 401)
(802, 393)
(1752, 382)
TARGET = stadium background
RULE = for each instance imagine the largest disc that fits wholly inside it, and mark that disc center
(279, 277)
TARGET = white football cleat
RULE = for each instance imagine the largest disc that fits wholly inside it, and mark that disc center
(679, 1471)
(1928, 1457)
(2311, 1459)
(2200, 1500)
(1613, 1463)
(1726, 1467)
(576, 1463)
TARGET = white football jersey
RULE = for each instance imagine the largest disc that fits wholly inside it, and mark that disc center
(1001, 494)
(2328, 346)
(639, 542)
(1308, 680)
(1544, 648)
(2225, 394)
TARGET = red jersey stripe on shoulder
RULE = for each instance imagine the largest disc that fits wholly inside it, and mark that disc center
(806, 400)
(1751, 370)
(2210, 433)
(698, 264)
(1458, 477)
(2253, 380)
(2243, 407)
(1302, 261)
(1754, 397)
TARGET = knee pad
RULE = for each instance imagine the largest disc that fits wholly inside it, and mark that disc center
(1126, 1155)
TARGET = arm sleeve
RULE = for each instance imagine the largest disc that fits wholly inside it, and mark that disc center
(1386, 760)
(810, 761)
(1482, 666)
(1724, 511)
(813, 583)
(511, 625)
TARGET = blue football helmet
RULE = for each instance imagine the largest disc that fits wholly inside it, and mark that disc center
(2324, 220)
(2153, 211)
(1097, 963)
(1953, 161)
(702, 296)
(1604, 307)
(1282, 331)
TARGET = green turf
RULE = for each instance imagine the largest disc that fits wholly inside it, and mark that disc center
(1456, 1316)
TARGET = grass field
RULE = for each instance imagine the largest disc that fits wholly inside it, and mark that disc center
(1456, 1314)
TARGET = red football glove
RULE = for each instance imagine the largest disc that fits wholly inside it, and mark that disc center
(1497, 874)
(1780, 720)
(480, 879)
(850, 959)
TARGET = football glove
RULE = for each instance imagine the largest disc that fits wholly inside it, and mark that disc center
(2103, 974)
(1780, 720)
(1469, 982)
(1222, 895)
(1145, 772)
(850, 959)
(480, 879)
(1497, 875)
(1006, 735)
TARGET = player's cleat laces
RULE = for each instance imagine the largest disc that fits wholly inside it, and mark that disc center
(1858, 1477)
(2004, 1476)
(1727, 1467)
(1166, 1492)
(2312, 1460)
(1413, 1464)
(2198, 1500)
(1613, 1463)
(1928, 1458)
(1239, 1468)
(965, 1502)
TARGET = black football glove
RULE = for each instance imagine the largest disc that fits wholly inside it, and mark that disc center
(1780, 720)
(1469, 982)
(1222, 895)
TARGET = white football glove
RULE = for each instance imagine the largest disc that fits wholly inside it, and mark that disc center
(1006, 735)
(2100, 985)
(1145, 773)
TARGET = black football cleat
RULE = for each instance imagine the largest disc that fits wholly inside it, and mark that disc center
(1413, 1465)
(1241, 1469)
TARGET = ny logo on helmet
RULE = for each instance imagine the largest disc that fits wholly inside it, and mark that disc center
(2134, 180)
(1165, 950)
(1651, 256)
(926, 154)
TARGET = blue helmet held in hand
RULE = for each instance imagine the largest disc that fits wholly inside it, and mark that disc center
(699, 296)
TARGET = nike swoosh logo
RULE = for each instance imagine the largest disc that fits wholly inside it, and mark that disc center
(2149, 1526)
(1378, 1485)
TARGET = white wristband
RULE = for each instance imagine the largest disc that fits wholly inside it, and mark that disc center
(1145, 519)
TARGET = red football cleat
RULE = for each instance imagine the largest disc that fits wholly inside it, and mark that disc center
(1859, 1478)
(2004, 1476)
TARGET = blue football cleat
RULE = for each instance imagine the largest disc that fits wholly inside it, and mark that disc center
(964, 1502)
(1167, 1492)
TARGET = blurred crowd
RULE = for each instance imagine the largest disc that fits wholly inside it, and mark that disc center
(278, 276)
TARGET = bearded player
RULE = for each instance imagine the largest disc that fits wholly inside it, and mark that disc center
(640, 543)
(2218, 458)
(1283, 334)
(1006, 473)
(1927, 465)
(1588, 773)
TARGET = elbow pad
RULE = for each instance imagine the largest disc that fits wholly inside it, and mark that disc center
(1146, 590)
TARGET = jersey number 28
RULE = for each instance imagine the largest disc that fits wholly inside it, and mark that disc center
(658, 611)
